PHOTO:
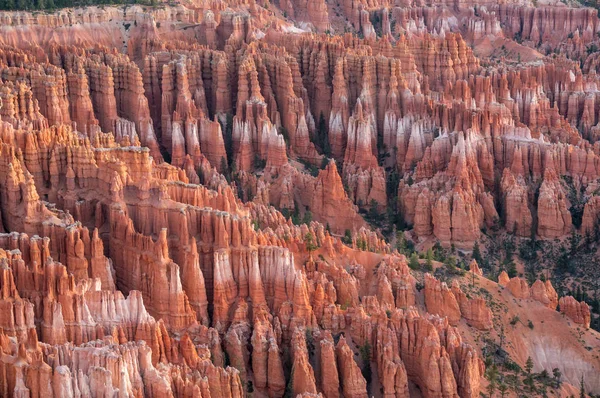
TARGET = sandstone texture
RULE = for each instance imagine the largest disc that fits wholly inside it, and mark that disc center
(194, 197)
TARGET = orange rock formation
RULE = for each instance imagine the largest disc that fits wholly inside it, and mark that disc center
(188, 192)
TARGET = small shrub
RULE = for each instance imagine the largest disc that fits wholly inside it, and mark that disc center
(259, 163)
(451, 263)
(414, 262)
(365, 355)
(310, 243)
(512, 366)
(307, 217)
(347, 238)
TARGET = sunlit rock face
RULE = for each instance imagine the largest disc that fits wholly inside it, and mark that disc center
(194, 197)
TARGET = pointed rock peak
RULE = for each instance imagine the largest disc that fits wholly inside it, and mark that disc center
(331, 167)
(339, 80)
(474, 268)
(517, 162)
(549, 169)
(358, 109)
(70, 172)
(193, 247)
(162, 245)
(393, 83)
(503, 279)
(255, 93)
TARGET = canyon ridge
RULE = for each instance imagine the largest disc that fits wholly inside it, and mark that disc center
(319, 198)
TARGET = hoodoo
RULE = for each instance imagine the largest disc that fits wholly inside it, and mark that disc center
(299, 198)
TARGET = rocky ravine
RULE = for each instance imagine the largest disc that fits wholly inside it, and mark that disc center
(148, 156)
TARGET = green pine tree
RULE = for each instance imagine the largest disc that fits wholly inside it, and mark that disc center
(557, 374)
(429, 260)
(503, 388)
(347, 238)
(477, 253)
(451, 263)
(323, 136)
(309, 242)
(529, 377)
(492, 376)
(529, 365)
(414, 261)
